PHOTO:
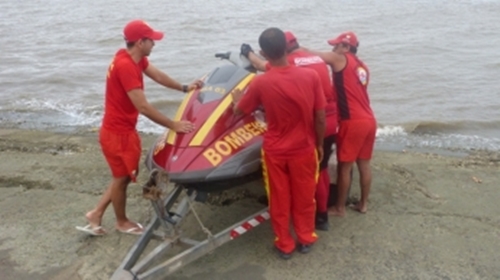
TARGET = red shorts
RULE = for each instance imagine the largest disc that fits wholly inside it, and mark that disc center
(355, 140)
(122, 152)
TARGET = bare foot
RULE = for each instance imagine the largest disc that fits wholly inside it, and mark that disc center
(361, 208)
(94, 220)
(333, 211)
(130, 227)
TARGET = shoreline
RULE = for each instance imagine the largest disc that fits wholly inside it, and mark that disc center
(380, 146)
(430, 216)
(390, 138)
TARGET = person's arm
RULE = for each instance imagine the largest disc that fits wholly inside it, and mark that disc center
(335, 60)
(165, 80)
(139, 100)
(319, 128)
(248, 102)
(319, 114)
(257, 62)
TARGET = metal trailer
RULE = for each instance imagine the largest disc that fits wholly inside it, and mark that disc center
(171, 206)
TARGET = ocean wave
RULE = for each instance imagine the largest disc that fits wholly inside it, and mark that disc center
(55, 111)
(390, 130)
(436, 127)
(442, 141)
(467, 135)
(456, 135)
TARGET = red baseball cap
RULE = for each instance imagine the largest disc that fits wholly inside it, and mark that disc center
(139, 29)
(291, 40)
(347, 38)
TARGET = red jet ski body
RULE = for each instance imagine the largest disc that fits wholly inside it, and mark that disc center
(224, 150)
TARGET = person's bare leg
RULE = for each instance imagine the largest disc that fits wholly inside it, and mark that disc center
(119, 200)
(365, 181)
(94, 216)
(343, 183)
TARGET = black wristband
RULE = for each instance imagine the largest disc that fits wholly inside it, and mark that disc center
(184, 88)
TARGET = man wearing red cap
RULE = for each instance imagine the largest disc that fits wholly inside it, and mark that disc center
(124, 100)
(294, 103)
(357, 124)
(302, 58)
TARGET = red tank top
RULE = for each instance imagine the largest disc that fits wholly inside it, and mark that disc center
(350, 88)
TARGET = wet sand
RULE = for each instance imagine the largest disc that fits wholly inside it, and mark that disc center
(430, 216)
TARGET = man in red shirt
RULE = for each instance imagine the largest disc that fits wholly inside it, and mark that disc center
(294, 103)
(301, 58)
(124, 100)
(357, 124)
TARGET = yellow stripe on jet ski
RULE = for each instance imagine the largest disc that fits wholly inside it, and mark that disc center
(178, 115)
(209, 123)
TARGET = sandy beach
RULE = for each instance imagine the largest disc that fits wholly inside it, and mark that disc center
(431, 216)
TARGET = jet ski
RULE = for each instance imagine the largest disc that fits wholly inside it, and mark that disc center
(224, 150)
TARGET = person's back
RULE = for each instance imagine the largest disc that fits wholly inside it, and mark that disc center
(294, 103)
(311, 61)
(289, 105)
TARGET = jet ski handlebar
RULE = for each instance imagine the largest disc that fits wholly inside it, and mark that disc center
(225, 55)
(237, 59)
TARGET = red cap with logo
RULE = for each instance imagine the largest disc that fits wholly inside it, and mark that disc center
(291, 40)
(139, 29)
(347, 38)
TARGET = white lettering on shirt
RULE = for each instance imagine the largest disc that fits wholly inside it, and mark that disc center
(302, 61)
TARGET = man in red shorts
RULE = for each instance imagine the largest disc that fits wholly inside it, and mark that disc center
(294, 103)
(357, 125)
(124, 100)
(301, 58)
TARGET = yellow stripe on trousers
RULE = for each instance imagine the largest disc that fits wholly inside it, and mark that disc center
(265, 177)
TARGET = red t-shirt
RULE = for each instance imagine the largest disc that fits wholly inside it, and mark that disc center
(350, 87)
(314, 62)
(305, 59)
(289, 95)
(124, 75)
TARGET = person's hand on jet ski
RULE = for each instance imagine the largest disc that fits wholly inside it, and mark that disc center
(257, 62)
(236, 94)
(182, 126)
(192, 86)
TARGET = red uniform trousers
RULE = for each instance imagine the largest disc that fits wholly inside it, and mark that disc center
(291, 185)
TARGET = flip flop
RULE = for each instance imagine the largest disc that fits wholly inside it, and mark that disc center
(133, 230)
(96, 231)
